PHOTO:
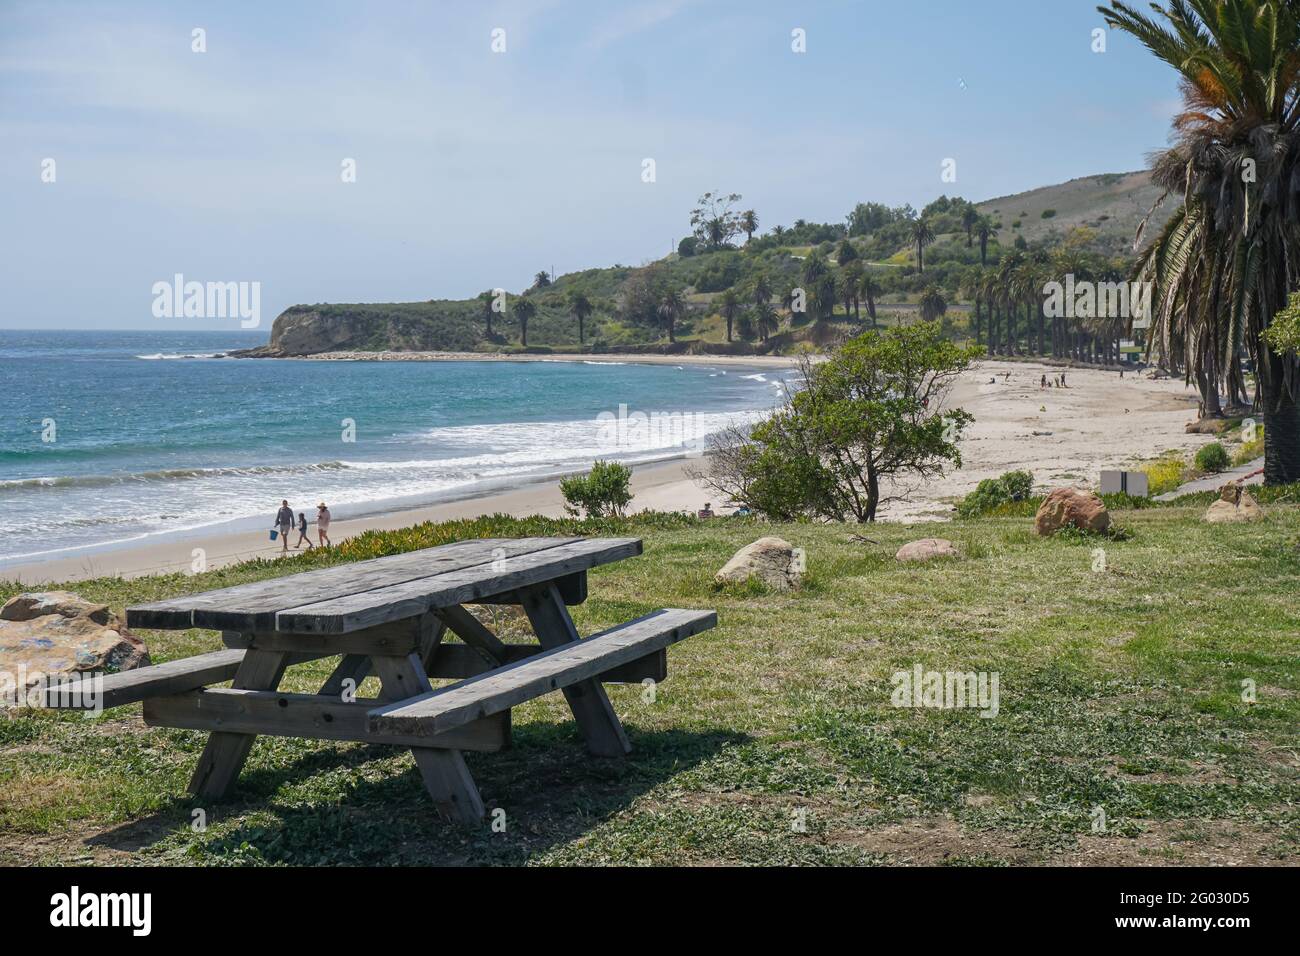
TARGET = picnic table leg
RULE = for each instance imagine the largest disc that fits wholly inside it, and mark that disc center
(225, 753)
(600, 726)
(444, 772)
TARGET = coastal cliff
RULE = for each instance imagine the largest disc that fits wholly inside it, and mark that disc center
(303, 330)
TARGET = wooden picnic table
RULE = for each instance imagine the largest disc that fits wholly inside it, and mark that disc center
(390, 617)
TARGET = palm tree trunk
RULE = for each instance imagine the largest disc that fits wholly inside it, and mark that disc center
(1281, 424)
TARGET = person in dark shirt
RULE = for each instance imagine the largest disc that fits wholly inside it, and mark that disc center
(284, 521)
(302, 532)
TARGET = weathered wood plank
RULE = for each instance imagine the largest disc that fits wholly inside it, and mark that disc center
(307, 715)
(456, 661)
(377, 606)
(559, 668)
(224, 755)
(600, 726)
(473, 632)
(127, 687)
(395, 638)
(252, 607)
(573, 588)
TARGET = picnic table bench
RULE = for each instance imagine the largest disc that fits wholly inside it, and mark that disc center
(389, 617)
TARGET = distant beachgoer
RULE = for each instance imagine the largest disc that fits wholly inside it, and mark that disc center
(1043, 383)
(707, 510)
(302, 532)
(323, 525)
(1063, 385)
(284, 521)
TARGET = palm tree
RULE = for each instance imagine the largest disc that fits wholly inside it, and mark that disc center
(1224, 263)
(819, 285)
(990, 291)
(846, 253)
(765, 320)
(488, 300)
(869, 288)
(730, 307)
(851, 275)
(984, 229)
(672, 306)
(525, 309)
(969, 218)
(749, 224)
(933, 304)
(922, 236)
(541, 280)
(581, 308)
(761, 293)
(972, 287)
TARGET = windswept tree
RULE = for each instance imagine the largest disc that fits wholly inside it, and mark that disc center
(581, 308)
(1230, 254)
(922, 236)
(729, 308)
(525, 309)
(749, 224)
(714, 220)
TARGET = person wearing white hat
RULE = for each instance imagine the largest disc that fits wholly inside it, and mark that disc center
(323, 525)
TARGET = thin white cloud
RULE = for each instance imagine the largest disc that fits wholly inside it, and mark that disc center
(634, 20)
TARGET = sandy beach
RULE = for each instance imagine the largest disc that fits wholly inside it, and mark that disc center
(602, 358)
(1064, 436)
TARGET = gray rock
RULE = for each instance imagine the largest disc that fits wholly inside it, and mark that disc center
(774, 561)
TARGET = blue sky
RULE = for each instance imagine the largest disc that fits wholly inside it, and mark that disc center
(476, 169)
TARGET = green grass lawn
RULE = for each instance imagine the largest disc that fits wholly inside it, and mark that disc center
(774, 739)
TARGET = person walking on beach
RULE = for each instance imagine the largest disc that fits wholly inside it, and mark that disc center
(323, 525)
(284, 521)
(302, 532)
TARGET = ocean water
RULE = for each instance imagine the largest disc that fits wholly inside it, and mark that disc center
(109, 438)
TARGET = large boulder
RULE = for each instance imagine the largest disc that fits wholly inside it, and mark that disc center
(927, 549)
(1235, 504)
(774, 561)
(1070, 506)
(57, 634)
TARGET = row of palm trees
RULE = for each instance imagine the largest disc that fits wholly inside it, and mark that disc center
(1009, 312)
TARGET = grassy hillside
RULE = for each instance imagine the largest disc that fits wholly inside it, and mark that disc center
(1111, 205)
(774, 741)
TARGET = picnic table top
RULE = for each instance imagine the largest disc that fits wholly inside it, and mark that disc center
(350, 597)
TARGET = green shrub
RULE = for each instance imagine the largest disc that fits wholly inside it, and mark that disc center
(1164, 474)
(602, 492)
(992, 493)
(1213, 458)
